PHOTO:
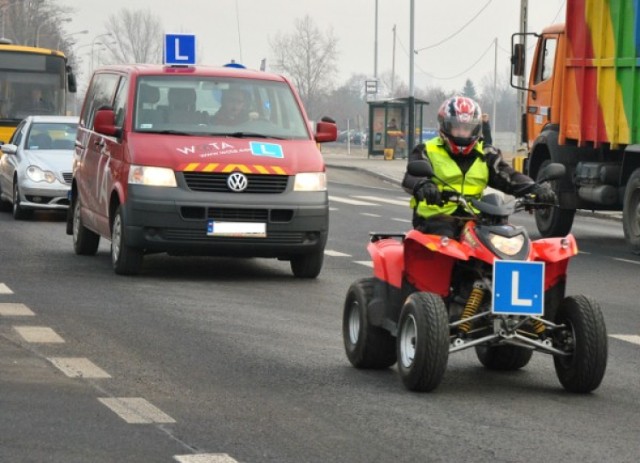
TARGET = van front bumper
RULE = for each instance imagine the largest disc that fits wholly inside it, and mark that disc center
(176, 221)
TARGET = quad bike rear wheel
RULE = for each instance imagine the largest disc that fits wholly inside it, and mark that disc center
(367, 346)
(585, 338)
(503, 358)
(423, 342)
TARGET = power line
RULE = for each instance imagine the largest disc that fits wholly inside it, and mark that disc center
(466, 70)
(456, 32)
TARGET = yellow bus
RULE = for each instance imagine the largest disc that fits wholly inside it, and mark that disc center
(32, 81)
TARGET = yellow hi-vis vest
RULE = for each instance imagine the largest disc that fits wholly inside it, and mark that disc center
(471, 184)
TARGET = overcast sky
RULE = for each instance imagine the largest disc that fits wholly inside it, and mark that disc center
(241, 29)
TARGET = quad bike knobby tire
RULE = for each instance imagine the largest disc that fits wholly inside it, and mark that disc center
(585, 337)
(423, 342)
(366, 346)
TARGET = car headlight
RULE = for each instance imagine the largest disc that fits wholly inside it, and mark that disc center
(152, 176)
(310, 181)
(509, 246)
(36, 174)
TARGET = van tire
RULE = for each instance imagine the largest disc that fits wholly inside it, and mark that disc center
(307, 265)
(85, 242)
(126, 260)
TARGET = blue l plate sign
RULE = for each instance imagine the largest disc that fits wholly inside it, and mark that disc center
(179, 49)
(518, 288)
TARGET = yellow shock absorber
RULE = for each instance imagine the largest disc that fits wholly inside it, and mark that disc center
(471, 307)
(538, 326)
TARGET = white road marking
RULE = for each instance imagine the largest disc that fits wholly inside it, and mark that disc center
(384, 200)
(334, 209)
(15, 310)
(366, 263)
(402, 220)
(78, 367)
(38, 334)
(4, 289)
(205, 458)
(136, 410)
(329, 252)
(632, 338)
(354, 202)
(627, 261)
(369, 214)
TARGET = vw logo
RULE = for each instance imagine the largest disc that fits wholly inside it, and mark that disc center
(237, 182)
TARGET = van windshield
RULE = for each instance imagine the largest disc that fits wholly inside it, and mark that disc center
(209, 105)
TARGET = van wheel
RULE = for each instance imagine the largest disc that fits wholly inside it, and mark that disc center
(85, 242)
(554, 221)
(631, 211)
(125, 259)
(307, 265)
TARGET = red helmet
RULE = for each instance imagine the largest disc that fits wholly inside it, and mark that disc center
(460, 120)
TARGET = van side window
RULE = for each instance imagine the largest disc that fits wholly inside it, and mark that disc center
(100, 94)
(120, 103)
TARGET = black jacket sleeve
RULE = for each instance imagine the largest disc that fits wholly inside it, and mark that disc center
(503, 177)
(409, 181)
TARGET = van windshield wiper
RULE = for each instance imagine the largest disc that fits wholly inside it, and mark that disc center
(248, 135)
(169, 132)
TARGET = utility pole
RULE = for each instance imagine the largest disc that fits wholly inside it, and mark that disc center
(393, 61)
(524, 8)
(375, 52)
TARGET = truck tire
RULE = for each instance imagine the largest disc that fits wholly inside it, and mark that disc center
(631, 211)
(423, 342)
(366, 346)
(554, 221)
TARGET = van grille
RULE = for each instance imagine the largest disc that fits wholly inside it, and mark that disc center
(217, 183)
(173, 234)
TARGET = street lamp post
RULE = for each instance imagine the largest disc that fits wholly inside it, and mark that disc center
(108, 34)
(61, 37)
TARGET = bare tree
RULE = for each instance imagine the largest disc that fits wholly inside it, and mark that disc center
(34, 22)
(309, 58)
(137, 35)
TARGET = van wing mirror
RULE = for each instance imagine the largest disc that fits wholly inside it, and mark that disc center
(104, 122)
(326, 131)
(517, 60)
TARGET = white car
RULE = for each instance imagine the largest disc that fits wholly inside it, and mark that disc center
(36, 164)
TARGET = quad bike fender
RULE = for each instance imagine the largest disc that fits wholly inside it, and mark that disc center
(555, 253)
(388, 261)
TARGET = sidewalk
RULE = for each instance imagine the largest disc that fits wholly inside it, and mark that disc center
(392, 171)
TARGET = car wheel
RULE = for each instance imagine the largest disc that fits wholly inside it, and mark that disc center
(554, 221)
(19, 213)
(85, 242)
(504, 358)
(307, 265)
(126, 260)
(423, 342)
(367, 346)
(584, 338)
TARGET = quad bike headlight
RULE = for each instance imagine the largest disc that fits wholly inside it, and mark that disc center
(509, 246)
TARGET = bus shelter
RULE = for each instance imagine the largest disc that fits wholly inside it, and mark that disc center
(393, 127)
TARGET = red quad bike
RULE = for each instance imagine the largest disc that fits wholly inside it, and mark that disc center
(493, 289)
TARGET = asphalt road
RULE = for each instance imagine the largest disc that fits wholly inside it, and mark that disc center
(222, 360)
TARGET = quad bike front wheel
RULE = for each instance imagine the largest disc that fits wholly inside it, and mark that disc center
(423, 342)
(503, 358)
(584, 337)
(367, 346)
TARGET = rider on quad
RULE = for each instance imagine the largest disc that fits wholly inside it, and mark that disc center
(459, 158)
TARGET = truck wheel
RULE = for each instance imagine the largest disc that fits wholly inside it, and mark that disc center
(85, 242)
(631, 211)
(307, 265)
(585, 338)
(503, 358)
(554, 221)
(423, 342)
(125, 259)
(366, 346)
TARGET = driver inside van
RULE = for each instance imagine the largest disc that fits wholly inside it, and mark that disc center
(234, 108)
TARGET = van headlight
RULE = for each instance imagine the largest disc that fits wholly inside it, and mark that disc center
(152, 176)
(508, 246)
(310, 181)
(36, 174)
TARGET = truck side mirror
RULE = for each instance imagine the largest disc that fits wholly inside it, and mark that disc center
(517, 60)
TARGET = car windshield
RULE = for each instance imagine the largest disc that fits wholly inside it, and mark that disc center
(216, 106)
(51, 136)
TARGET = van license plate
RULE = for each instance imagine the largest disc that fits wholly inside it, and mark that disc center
(237, 229)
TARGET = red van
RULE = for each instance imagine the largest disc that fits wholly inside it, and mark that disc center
(198, 161)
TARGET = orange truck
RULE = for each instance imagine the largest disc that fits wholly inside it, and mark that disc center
(583, 110)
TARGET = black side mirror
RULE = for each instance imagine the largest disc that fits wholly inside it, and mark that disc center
(71, 81)
(517, 59)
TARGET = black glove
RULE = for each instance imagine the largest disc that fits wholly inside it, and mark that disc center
(428, 191)
(544, 194)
